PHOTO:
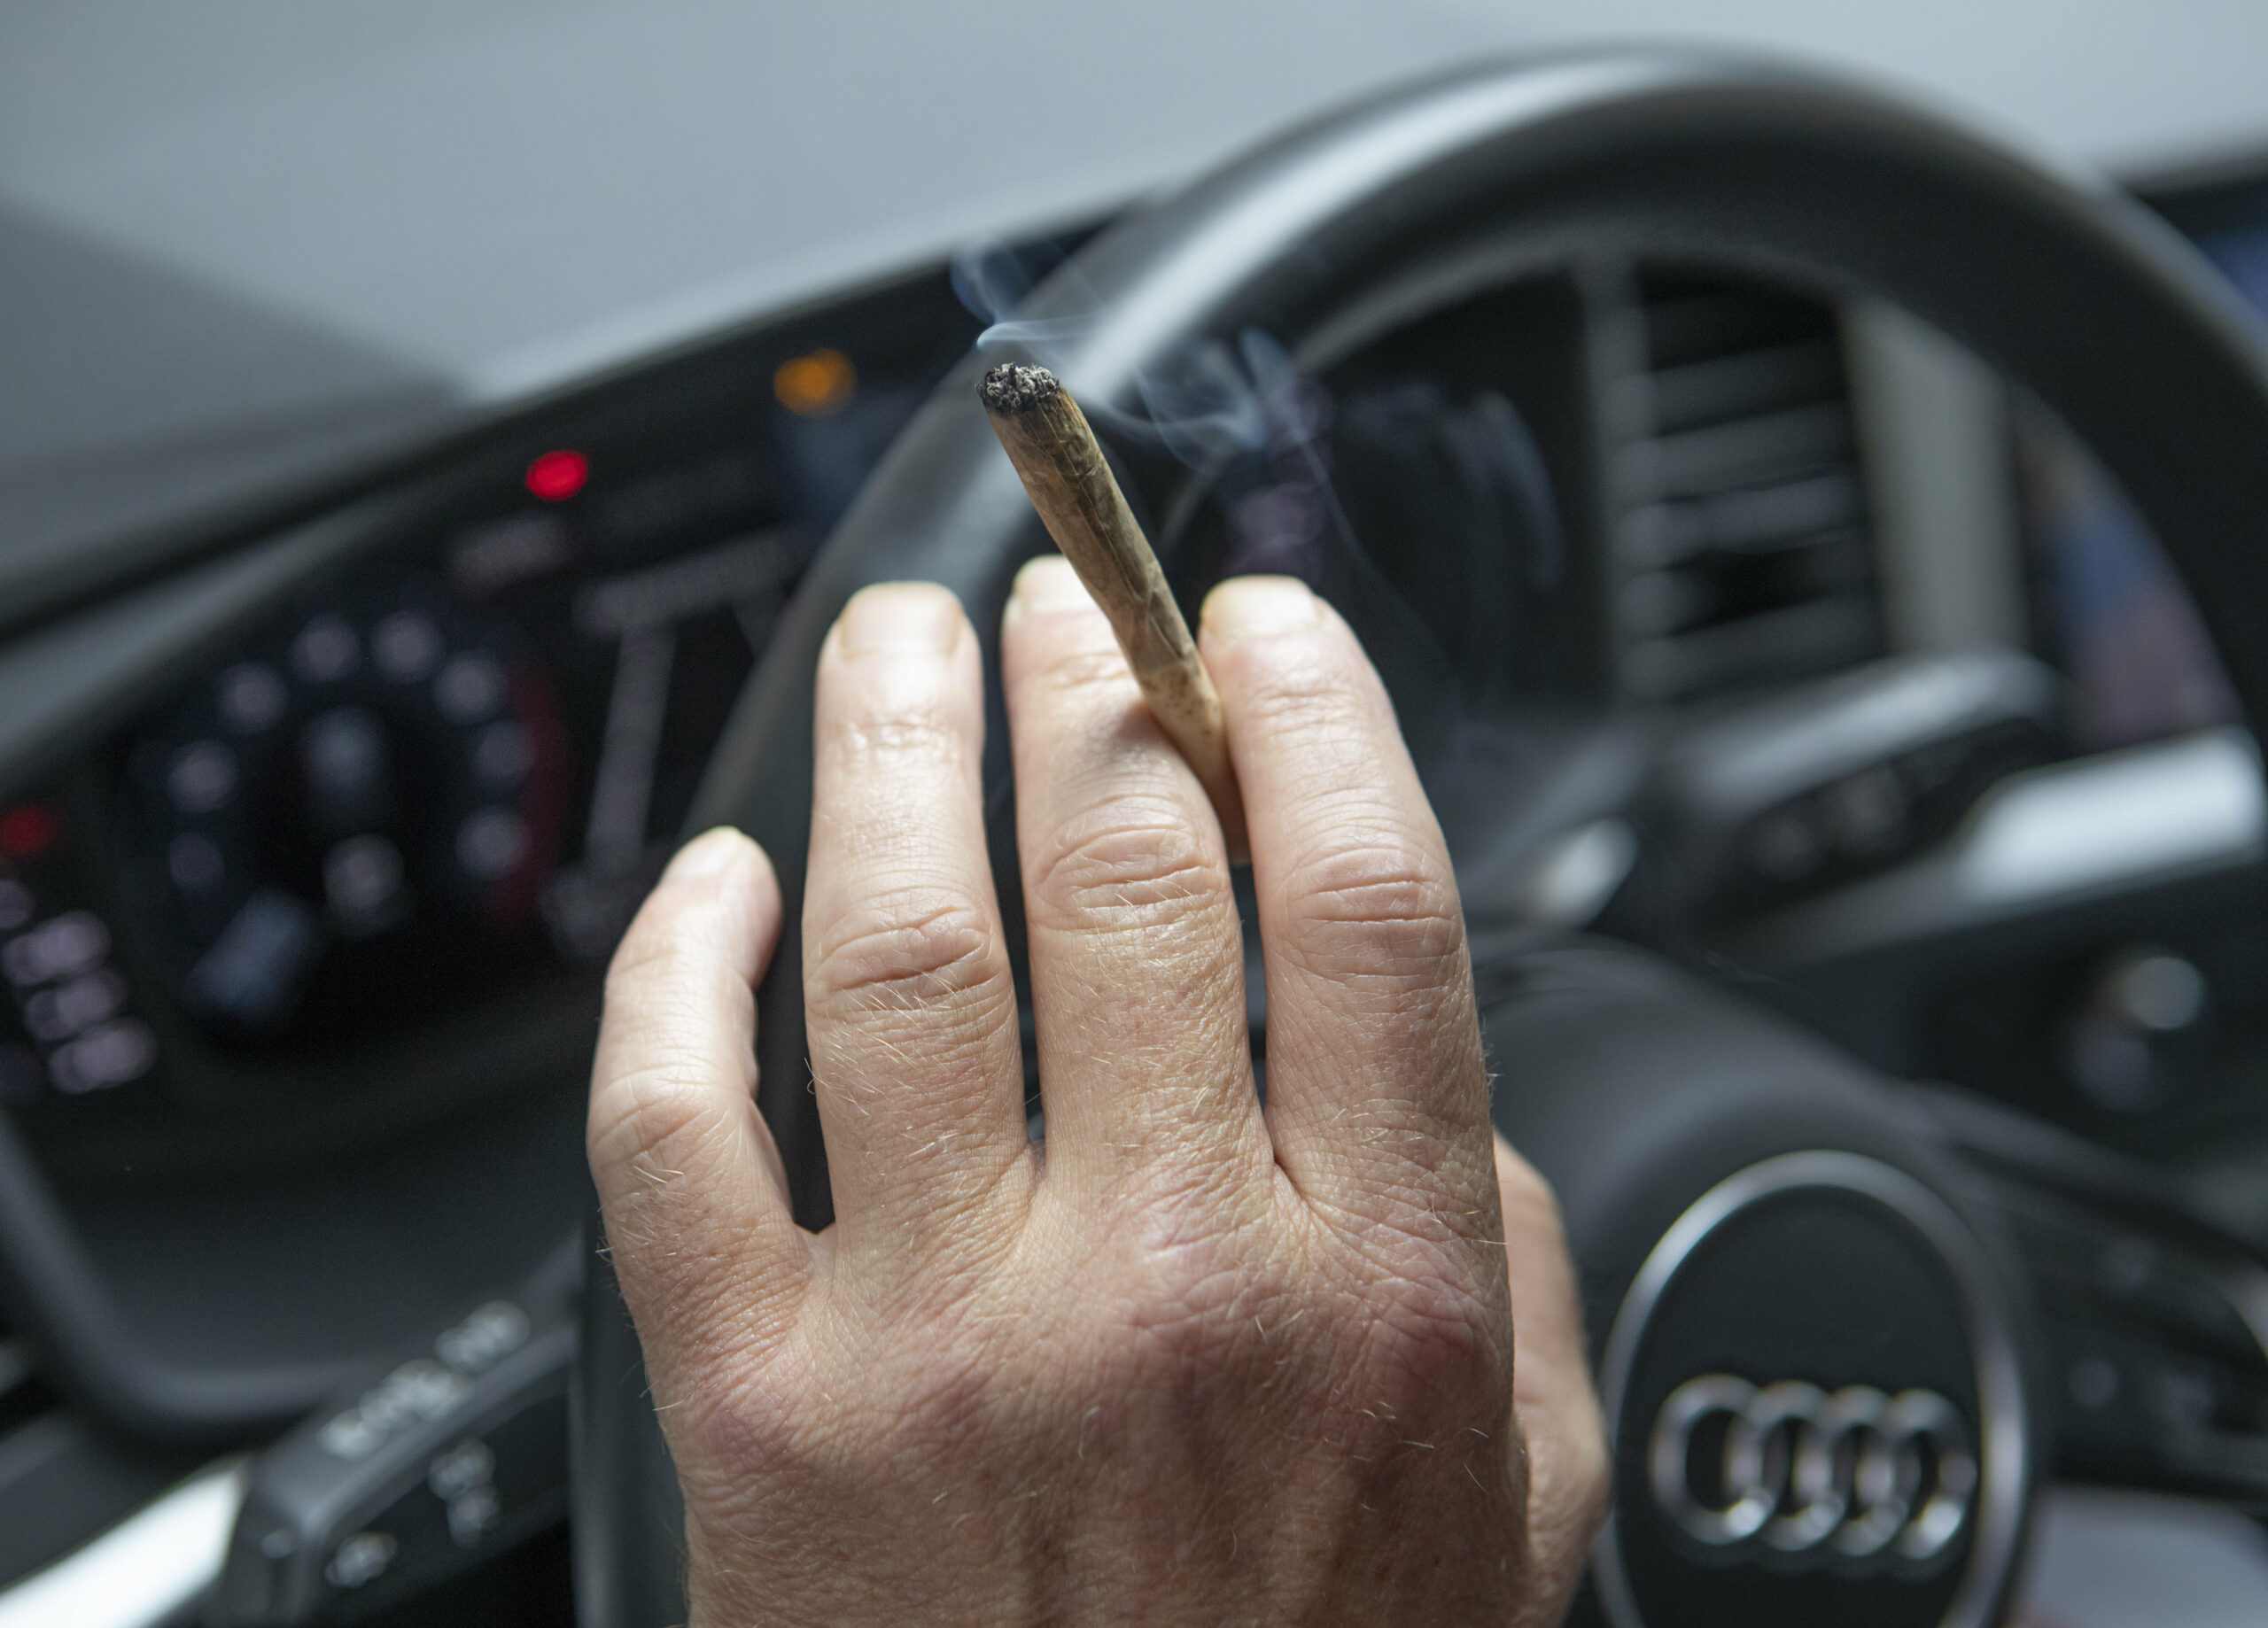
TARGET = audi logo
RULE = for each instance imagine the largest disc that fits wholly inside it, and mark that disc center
(1850, 1474)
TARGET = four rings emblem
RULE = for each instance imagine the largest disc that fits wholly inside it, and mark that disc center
(1851, 1474)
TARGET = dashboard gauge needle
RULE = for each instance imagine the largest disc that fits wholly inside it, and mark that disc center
(623, 788)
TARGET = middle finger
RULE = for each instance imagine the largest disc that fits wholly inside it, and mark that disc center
(911, 1006)
(1136, 957)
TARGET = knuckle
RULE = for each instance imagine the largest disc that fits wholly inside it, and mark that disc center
(1132, 862)
(1185, 1298)
(928, 951)
(919, 714)
(792, 1428)
(653, 956)
(951, 1396)
(654, 1117)
(904, 727)
(1379, 909)
(1088, 661)
(1428, 1313)
(1441, 1338)
(1302, 693)
(1189, 1277)
(738, 1414)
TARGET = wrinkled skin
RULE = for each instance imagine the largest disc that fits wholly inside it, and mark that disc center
(1187, 1360)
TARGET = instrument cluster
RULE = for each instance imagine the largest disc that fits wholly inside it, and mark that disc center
(405, 812)
(375, 795)
(460, 765)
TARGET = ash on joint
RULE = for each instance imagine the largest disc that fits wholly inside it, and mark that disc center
(1013, 388)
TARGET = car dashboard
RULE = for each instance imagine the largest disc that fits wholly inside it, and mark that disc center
(408, 804)
(315, 841)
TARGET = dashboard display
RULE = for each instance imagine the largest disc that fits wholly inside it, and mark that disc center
(464, 764)
(356, 862)
(368, 800)
(76, 1032)
(458, 766)
(467, 760)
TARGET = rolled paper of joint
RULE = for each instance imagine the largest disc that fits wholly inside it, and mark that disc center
(1071, 485)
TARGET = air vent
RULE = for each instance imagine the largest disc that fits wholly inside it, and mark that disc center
(1743, 551)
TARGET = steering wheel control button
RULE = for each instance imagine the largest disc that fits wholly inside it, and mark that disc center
(252, 971)
(413, 1392)
(457, 1453)
(362, 878)
(361, 1559)
(484, 1338)
(1813, 1394)
(1822, 784)
(469, 688)
(60, 947)
(2140, 1030)
(464, 1479)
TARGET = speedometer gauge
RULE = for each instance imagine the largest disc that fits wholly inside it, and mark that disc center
(362, 809)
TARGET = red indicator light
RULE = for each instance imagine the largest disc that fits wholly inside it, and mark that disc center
(556, 477)
(28, 831)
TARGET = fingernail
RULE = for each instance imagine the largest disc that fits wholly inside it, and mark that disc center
(1254, 607)
(1045, 584)
(706, 855)
(917, 619)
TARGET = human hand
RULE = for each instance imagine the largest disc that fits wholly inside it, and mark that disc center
(1186, 1360)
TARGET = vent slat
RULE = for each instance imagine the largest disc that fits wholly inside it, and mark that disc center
(1727, 589)
(1693, 326)
(1794, 642)
(1787, 515)
(1709, 392)
(1743, 548)
(1745, 453)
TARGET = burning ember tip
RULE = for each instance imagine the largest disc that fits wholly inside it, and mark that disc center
(1013, 388)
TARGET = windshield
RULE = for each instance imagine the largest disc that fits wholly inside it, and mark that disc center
(242, 243)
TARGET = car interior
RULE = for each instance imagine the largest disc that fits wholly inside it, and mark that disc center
(1813, 548)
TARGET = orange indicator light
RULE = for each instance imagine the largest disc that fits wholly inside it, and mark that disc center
(812, 386)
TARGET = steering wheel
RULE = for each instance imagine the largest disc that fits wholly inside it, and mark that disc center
(1763, 1237)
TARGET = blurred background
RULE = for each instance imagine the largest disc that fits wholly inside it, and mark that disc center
(238, 235)
(255, 248)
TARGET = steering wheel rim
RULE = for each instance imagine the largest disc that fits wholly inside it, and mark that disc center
(1339, 230)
